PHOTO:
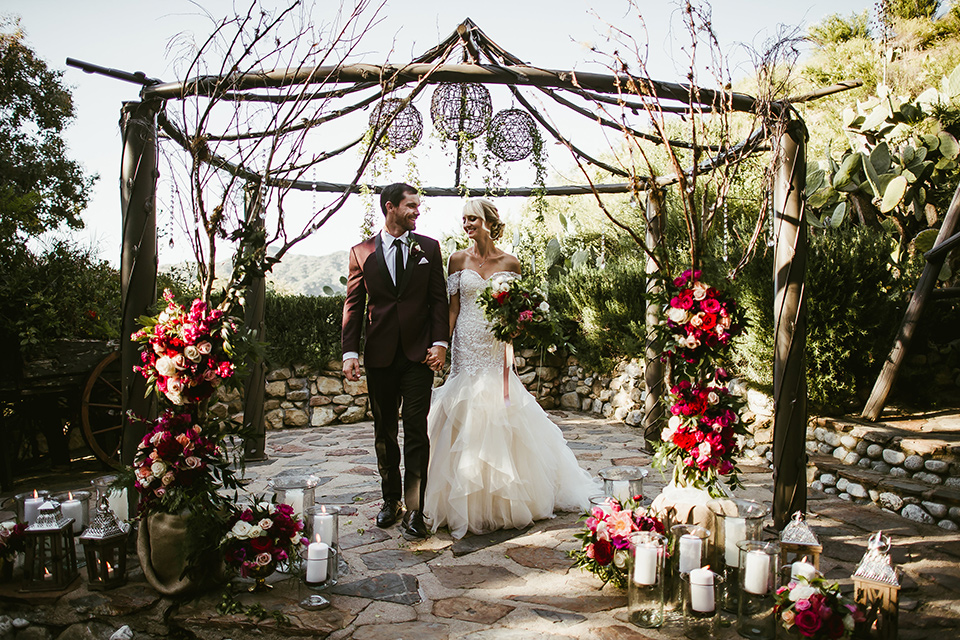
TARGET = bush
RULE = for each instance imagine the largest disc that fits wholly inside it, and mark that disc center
(303, 329)
(603, 312)
(853, 311)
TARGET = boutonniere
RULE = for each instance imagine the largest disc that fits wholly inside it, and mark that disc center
(414, 247)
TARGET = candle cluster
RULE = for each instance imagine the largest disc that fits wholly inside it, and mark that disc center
(261, 535)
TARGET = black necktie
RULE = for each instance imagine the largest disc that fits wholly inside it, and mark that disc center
(398, 269)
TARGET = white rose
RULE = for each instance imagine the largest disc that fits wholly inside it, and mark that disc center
(175, 386)
(241, 529)
(674, 422)
(801, 592)
(255, 531)
(544, 306)
(9, 525)
(265, 524)
(165, 367)
(713, 398)
(192, 353)
(704, 449)
(699, 290)
(174, 398)
(678, 315)
(179, 361)
(205, 348)
(158, 468)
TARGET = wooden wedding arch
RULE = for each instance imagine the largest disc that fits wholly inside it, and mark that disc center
(484, 62)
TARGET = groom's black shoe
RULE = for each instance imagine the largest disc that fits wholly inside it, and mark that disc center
(412, 526)
(389, 513)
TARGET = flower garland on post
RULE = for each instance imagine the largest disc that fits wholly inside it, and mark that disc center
(699, 440)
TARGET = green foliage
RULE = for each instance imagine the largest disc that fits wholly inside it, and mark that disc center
(303, 329)
(835, 28)
(40, 188)
(602, 310)
(909, 9)
(63, 293)
(853, 310)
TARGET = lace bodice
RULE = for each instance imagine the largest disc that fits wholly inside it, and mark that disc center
(474, 349)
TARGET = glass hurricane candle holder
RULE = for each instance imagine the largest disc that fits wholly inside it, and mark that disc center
(318, 563)
(734, 520)
(623, 483)
(117, 499)
(688, 550)
(296, 491)
(759, 569)
(321, 523)
(28, 504)
(645, 587)
(700, 593)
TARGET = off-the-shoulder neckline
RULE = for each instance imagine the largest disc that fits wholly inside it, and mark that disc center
(481, 277)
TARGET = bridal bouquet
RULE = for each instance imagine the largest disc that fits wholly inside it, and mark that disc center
(516, 309)
(700, 436)
(186, 354)
(816, 610)
(605, 538)
(262, 535)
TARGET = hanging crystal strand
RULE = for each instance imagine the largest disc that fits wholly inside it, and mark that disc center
(768, 202)
(726, 232)
(172, 208)
(602, 262)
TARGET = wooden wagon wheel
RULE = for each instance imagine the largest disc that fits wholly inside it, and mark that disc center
(101, 411)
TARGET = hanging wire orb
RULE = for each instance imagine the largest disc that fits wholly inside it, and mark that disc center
(406, 129)
(512, 135)
(461, 109)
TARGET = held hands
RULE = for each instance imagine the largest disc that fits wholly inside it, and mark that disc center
(351, 369)
(436, 357)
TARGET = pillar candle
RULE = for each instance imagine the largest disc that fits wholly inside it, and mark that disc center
(621, 490)
(645, 564)
(701, 590)
(117, 501)
(31, 507)
(690, 551)
(323, 526)
(735, 530)
(317, 553)
(294, 498)
(73, 509)
(802, 569)
(755, 572)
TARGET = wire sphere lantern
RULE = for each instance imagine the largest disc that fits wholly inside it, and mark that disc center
(461, 109)
(404, 131)
(512, 135)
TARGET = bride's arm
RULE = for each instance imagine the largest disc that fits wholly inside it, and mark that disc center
(454, 265)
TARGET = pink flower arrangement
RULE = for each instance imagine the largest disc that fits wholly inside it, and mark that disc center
(174, 464)
(700, 320)
(606, 535)
(700, 436)
(12, 538)
(262, 535)
(184, 353)
(816, 610)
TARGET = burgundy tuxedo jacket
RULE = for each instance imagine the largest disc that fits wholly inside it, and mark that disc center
(412, 315)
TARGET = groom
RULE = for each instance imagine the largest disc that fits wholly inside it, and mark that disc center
(396, 292)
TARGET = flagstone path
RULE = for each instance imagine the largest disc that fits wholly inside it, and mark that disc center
(510, 585)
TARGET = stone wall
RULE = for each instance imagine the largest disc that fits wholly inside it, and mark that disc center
(300, 397)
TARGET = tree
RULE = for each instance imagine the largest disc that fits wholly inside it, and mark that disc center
(40, 187)
(835, 29)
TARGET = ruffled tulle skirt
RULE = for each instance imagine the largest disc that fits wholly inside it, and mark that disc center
(494, 466)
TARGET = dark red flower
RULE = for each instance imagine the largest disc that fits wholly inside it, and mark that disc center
(603, 552)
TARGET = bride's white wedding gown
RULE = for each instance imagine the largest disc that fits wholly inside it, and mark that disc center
(493, 465)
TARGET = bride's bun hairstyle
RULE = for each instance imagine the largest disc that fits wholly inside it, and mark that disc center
(483, 208)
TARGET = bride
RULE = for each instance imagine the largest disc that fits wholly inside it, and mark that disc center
(493, 464)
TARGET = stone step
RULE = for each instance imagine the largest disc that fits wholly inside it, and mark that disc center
(913, 499)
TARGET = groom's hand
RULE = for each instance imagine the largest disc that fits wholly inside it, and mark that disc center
(351, 369)
(436, 357)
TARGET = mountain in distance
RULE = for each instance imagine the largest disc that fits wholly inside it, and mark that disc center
(295, 274)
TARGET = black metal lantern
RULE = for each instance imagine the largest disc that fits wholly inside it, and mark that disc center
(105, 548)
(513, 135)
(51, 554)
(404, 131)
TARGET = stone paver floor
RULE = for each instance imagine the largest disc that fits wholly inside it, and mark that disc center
(508, 585)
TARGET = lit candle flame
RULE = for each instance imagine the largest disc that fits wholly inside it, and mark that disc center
(323, 508)
(46, 573)
(318, 538)
(69, 495)
(804, 559)
(35, 496)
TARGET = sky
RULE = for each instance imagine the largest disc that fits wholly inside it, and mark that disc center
(134, 35)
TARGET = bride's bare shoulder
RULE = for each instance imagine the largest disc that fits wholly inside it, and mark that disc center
(457, 261)
(511, 263)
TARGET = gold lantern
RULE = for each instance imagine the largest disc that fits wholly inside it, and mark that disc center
(51, 554)
(798, 541)
(876, 587)
(105, 548)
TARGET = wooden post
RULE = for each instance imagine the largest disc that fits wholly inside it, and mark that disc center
(653, 366)
(790, 327)
(138, 261)
(254, 305)
(928, 280)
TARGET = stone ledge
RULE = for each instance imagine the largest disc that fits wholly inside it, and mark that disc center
(883, 482)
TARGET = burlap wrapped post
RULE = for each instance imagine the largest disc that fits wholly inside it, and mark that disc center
(683, 505)
(162, 549)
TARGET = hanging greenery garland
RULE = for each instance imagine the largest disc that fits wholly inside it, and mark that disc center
(461, 110)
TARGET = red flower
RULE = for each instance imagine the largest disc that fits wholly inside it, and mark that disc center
(603, 551)
(807, 622)
(685, 440)
(261, 544)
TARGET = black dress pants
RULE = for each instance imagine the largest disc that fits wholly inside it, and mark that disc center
(404, 386)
